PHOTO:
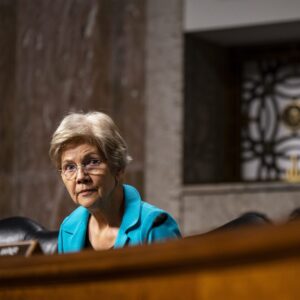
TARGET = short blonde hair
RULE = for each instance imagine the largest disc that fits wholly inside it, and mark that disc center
(95, 128)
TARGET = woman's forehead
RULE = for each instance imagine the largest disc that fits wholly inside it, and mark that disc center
(78, 150)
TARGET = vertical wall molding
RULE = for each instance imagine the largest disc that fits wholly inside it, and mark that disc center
(164, 107)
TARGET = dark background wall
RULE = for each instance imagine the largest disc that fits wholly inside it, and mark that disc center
(59, 56)
(211, 111)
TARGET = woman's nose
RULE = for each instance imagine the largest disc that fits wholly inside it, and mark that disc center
(81, 175)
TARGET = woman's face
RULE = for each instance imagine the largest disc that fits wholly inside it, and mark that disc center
(87, 188)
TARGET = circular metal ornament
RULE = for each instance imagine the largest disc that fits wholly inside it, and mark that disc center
(291, 116)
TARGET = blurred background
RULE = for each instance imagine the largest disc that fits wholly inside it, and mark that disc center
(206, 94)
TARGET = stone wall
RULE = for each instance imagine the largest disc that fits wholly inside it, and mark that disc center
(56, 57)
(7, 100)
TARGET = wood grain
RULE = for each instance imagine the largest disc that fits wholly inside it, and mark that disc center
(254, 262)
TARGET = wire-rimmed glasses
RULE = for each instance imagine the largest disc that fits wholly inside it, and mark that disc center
(91, 166)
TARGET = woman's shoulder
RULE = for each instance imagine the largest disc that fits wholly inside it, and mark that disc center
(154, 215)
(149, 214)
(157, 224)
(150, 211)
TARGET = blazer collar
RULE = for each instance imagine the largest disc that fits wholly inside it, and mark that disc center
(132, 212)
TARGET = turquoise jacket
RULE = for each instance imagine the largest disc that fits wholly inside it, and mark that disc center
(142, 223)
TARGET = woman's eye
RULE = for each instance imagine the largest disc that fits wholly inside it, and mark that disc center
(94, 162)
(69, 168)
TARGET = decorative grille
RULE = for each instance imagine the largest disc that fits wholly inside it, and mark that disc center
(270, 110)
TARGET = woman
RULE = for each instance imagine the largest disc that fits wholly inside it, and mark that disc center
(91, 156)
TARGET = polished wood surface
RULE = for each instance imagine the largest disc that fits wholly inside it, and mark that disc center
(253, 263)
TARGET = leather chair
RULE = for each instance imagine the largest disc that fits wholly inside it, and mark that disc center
(295, 215)
(15, 229)
(246, 219)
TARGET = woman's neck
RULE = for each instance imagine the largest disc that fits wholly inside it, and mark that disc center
(105, 221)
(110, 212)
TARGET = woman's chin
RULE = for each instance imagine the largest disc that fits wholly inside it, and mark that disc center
(86, 201)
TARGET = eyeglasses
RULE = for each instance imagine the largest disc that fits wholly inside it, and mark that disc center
(91, 166)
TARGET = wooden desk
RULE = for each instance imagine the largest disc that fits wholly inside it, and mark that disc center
(257, 263)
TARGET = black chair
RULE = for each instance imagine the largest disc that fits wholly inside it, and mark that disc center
(15, 229)
(295, 215)
(246, 219)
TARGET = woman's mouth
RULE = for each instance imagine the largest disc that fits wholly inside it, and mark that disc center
(87, 192)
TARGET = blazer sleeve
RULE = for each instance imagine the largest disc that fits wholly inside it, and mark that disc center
(163, 227)
(60, 242)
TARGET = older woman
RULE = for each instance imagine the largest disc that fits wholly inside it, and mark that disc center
(91, 156)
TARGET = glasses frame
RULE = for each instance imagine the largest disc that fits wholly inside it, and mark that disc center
(84, 169)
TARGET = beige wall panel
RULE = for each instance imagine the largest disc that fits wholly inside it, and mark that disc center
(207, 207)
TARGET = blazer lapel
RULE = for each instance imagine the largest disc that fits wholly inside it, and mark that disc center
(74, 231)
(131, 215)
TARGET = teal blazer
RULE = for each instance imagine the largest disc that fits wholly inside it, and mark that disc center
(142, 223)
